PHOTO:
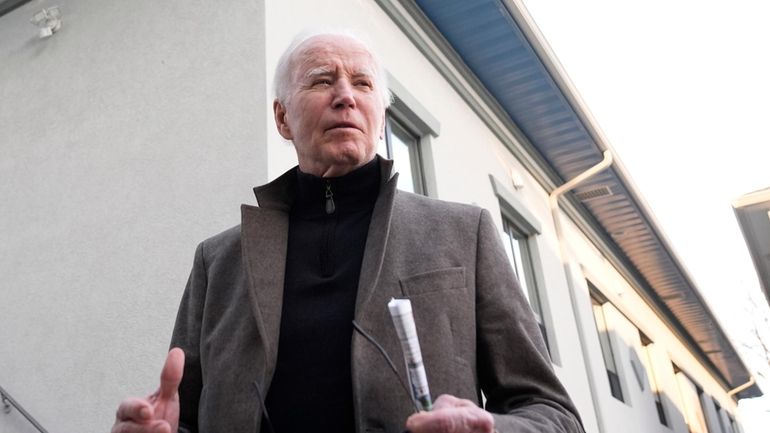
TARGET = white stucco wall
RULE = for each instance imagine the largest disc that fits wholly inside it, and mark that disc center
(126, 138)
(626, 314)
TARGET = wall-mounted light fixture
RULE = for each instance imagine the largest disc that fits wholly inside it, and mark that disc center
(48, 20)
(517, 181)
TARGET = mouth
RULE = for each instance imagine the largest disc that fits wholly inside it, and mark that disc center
(342, 125)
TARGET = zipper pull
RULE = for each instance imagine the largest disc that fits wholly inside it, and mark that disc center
(329, 199)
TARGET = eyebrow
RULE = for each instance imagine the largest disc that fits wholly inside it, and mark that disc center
(366, 72)
(315, 72)
(323, 70)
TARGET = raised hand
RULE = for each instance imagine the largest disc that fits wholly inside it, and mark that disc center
(452, 415)
(159, 412)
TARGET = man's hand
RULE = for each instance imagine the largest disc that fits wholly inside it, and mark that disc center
(452, 415)
(159, 412)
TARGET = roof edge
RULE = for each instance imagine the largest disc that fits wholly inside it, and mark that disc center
(543, 50)
(752, 198)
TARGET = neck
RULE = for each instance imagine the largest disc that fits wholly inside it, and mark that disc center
(331, 170)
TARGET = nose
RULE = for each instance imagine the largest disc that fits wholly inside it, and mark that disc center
(343, 95)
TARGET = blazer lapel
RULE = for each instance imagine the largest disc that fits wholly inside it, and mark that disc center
(264, 239)
(377, 238)
(264, 234)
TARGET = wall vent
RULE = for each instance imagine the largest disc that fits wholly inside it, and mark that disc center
(594, 193)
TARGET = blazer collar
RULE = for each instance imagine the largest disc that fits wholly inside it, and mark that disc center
(264, 238)
(279, 194)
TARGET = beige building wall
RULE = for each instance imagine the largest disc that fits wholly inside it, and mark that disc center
(627, 314)
(126, 138)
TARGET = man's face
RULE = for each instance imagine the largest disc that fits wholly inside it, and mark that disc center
(333, 113)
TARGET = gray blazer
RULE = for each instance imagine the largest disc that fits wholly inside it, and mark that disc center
(476, 329)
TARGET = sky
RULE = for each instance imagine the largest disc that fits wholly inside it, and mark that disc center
(681, 89)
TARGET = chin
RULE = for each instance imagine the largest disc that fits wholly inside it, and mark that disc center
(353, 155)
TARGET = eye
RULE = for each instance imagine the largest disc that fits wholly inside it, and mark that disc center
(364, 83)
(322, 82)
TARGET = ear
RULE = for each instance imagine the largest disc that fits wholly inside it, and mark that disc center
(382, 125)
(279, 113)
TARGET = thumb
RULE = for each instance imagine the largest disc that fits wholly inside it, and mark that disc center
(171, 375)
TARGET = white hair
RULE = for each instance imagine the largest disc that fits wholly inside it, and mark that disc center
(283, 80)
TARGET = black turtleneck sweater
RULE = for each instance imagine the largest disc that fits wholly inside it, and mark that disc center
(312, 387)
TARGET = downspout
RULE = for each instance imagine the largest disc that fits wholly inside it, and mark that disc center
(740, 388)
(556, 215)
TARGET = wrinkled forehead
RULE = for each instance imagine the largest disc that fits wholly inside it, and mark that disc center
(327, 54)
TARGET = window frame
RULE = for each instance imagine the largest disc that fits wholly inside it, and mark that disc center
(520, 224)
(692, 399)
(520, 241)
(598, 301)
(655, 388)
(719, 412)
(413, 147)
(414, 119)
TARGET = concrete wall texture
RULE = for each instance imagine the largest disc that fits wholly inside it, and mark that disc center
(138, 129)
(127, 137)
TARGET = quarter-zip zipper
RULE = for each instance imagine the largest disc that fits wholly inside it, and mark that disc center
(330, 208)
(330, 223)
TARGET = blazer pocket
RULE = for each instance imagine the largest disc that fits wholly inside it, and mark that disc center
(433, 281)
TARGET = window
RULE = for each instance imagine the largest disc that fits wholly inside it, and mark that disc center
(600, 320)
(720, 416)
(403, 147)
(654, 384)
(517, 247)
(692, 402)
(519, 236)
(409, 129)
(707, 421)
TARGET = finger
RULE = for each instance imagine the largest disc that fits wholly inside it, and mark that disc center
(161, 427)
(171, 375)
(133, 427)
(134, 409)
(445, 400)
(452, 420)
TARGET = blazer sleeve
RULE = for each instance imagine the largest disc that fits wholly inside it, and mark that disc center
(186, 336)
(514, 368)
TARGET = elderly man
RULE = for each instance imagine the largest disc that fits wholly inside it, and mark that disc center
(284, 324)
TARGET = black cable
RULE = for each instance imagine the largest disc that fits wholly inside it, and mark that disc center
(382, 351)
(264, 408)
(371, 339)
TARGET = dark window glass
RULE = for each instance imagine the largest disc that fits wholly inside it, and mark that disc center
(403, 147)
(604, 341)
(517, 248)
(718, 410)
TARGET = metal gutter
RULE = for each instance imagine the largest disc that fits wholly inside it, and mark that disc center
(553, 200)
